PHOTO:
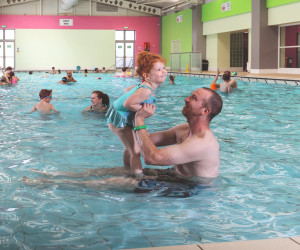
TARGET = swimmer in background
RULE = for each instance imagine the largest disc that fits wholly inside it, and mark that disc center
(85, 72)
(120, 116)
(172, 79)
(58, 71)
(63, 80)
(44, 106)
(3, 80)
(53, 71)
(190, 147)
(14, 79)
(8, 70)
(100, 102)
(96, 70)
(69, 77)
(227, 83)
(103, 70)
(123, 73)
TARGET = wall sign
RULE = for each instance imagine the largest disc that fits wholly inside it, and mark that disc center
(66, 22)
(226, 6)
(179, 19)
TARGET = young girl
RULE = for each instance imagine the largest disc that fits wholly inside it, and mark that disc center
(120, 116)
(100, 102)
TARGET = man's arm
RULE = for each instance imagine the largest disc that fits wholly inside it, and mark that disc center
(171, 155)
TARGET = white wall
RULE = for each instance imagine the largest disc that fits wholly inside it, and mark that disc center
(64, 49)
(284, 14)
(227, 24)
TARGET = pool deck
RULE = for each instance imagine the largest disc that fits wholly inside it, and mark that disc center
(292, 243)
(291, 79)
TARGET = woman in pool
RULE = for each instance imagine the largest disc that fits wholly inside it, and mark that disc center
(120, 116)
(100, 102)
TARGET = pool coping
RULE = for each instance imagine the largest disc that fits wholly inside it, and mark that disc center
(291, 243)
(288, 81)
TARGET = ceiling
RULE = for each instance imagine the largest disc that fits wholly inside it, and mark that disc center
(168, 6)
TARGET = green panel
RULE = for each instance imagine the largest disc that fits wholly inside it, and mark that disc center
(171, 30)
(273, 3)
(213, 10)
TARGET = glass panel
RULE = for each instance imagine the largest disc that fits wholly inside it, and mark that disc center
(9, 61)
(9, 48)
(289, 57)
(119, 49)
(129, 62)
(288, 35)
(1, 34)
(119, 35)
(129, 35)
(119, 62)
(129, 50)
(9, 34)
(1, 62)
(1, 49)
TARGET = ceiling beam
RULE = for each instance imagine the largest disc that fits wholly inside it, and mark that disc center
(131, 6)
(15, 2)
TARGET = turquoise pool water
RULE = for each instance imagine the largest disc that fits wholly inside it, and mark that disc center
(258, 196)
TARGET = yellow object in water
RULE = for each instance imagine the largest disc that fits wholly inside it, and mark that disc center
(187, 68)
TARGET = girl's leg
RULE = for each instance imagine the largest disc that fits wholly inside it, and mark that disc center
(132, 149)
(119, 183)
(116, 171)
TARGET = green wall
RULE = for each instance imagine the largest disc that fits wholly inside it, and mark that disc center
(213, 10)
(273, 3)
(171, 30)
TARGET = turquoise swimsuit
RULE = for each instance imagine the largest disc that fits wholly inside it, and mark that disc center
(120, 116)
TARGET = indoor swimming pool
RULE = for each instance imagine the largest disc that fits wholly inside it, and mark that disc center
(257, 196)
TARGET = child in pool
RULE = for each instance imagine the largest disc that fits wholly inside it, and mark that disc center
(100, 102)
(172, 79)
(44, 106)
(120, 116)
(14, 79)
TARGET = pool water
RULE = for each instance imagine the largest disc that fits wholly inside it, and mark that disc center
(257, 196)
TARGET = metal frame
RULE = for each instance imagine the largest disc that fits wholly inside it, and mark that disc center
(189, 60)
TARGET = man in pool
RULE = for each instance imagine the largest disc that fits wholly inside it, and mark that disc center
(70, 78)
(191, 147)
(227, 83)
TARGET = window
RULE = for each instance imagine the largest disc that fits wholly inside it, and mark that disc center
(125, 48)
(289, 48)
(7, 48)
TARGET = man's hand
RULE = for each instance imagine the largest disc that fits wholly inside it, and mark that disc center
(146, 111)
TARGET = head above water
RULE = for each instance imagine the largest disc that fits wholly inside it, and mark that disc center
(172, 78)
(64, 79)
(8, 68)
(45, 92)
(226, 75)
(214, 103)
(145, 61)
(103, 96)
(3, 79)
(69, 73)
(201, 98)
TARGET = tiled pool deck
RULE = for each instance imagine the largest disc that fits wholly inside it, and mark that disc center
(292, 243)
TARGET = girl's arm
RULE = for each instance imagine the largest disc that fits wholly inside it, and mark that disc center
(133, 102)
(216, 78)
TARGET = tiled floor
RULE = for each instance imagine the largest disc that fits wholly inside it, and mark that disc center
(292, 243)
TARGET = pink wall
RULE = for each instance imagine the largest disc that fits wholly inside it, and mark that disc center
(147, 28)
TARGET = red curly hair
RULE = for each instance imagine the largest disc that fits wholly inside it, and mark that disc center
(145, 61)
